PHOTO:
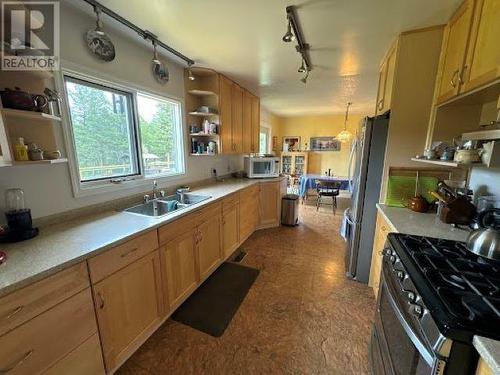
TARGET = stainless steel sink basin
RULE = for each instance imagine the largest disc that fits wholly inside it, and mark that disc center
(164, 206)
(186, 198)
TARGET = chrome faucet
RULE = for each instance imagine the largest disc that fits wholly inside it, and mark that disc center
(157, 193)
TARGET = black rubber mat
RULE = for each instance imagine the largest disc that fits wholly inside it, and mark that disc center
(212, 306)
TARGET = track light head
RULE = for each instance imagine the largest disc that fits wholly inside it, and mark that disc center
(289, 37)
(191, 76)
(302, 68)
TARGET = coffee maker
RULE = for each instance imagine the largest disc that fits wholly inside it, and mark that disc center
(19, 223)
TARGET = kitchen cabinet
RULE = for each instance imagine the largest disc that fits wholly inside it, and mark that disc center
(48, 338)
(230, 225)
(454, 48)
(483, 55)
(209, 245)
(255, 132)
(269, 204)
(295, 163)
(483, 368)
(249, 211)
(386, 80)
(180, 273)
(247, 123)
(225, 106)
(129, 307)
(382, 229)
(236, 118)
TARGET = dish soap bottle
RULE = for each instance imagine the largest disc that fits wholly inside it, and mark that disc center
(21, 150)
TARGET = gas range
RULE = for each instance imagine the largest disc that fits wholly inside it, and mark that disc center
(434, 296)
(460, 289)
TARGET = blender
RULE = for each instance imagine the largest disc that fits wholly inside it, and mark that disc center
(19, 223)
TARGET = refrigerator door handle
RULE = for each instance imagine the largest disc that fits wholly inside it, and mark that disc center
(349, 166)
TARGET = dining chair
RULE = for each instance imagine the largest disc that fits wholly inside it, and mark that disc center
(327, 189)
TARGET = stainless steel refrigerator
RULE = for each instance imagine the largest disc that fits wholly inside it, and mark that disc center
(366, 164)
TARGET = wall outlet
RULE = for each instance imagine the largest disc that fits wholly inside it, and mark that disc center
(213, 172)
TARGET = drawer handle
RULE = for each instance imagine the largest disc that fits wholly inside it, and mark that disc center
(14, 312)
(454, 77)
(18, 363)
(101, 300)
(129, 252)
(380, 104)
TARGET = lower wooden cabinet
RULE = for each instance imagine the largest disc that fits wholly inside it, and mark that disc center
(269, 204)
(382, 229)
(43, 341)
(209, 245)
(129, 306)
(249, 211)
(180, 275)
(84, 360)
(230, 229)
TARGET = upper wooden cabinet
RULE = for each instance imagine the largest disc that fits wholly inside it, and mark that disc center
(226, 117)
(483, 56)
(237, 118)
(453, 52)
(470, 56)
(386, 80)
(255, 131)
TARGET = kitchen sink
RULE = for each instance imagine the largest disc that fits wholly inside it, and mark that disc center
(166, 205)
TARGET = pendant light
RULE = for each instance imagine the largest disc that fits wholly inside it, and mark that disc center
(304, 79)
(302, 68)
(345, 135)
(288, 37)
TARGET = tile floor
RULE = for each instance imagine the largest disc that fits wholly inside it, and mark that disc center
(302, 316)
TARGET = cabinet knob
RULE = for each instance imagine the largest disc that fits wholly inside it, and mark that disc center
(461, 75)
(380, 104)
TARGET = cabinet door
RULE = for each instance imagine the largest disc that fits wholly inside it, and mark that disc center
(381, 231)
(209, 246)
(237, 118)
(230, 230)
(179, 268)
(454, 48)
(247, 123)
(129, 306)
(382, 78)
(389, 79)
(248, 211)
(483, 56)
(269, 204)
(225, 107)
(255, 102)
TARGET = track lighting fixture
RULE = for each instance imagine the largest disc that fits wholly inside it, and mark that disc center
(304, 79)
(191, 76)
(289, 37)
(302, 68)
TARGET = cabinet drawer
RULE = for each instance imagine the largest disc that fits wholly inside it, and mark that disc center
(84, 360)
(22, 305)
(229, 202)
(44, 340)
(120, 256)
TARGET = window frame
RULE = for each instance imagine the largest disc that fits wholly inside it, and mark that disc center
(137, 181)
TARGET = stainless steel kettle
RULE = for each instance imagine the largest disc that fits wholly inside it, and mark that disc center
(485, 241)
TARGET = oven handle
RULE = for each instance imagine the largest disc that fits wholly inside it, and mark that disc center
(428, 356)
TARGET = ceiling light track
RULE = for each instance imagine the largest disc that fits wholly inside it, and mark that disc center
(143, 33)
(302, 47)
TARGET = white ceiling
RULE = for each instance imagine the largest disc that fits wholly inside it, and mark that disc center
(242, 38)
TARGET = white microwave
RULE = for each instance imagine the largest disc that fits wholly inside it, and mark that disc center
(262, 166)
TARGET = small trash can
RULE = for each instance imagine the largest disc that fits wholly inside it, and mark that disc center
(290, 210)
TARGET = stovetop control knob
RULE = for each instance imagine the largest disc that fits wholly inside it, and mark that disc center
(400, 274)
(416, 310)
(387, 252)
(410, 296)
(392, 259)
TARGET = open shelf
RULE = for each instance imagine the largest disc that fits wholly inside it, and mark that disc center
(446, 163)
(203, 135)
(482, 135)
(204, 154)
(201, 92)
(29, 114)
(38, 162)
(203, 114)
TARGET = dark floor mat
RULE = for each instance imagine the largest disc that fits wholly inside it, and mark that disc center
(212, 306)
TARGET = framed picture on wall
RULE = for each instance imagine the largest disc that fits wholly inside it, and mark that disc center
(291, 143)
(325, 144)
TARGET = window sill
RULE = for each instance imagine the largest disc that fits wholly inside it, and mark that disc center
(139, 184)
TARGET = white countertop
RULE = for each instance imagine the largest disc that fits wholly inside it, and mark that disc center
(61, 245)
(489, 350)
(406, 221)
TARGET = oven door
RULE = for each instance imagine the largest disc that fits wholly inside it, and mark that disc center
(402, 347)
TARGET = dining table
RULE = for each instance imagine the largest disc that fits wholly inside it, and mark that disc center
(308, 181)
